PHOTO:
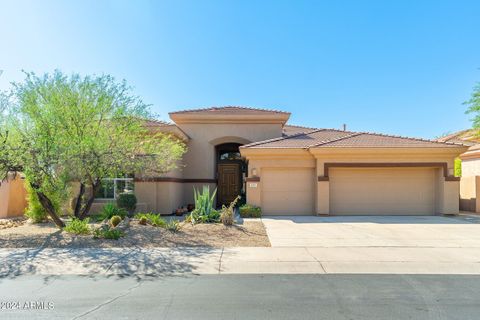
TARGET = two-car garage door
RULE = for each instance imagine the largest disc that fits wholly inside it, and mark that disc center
(353, 191)
(382, 191)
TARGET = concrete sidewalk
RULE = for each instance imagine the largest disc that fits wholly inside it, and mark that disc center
(281, 260)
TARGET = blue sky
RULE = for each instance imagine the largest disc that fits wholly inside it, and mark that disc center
(399, 67)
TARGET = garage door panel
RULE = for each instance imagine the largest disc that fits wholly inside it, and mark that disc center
(288, 191)
(382, 191)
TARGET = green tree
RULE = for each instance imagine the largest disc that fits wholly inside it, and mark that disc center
(83, 129)
(474, 106)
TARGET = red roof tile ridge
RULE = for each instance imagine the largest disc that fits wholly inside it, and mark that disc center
(410, 138)
(279, 138)
(452, 135)
(226, 108)
(336, 139)
(395, 136)
(296, 126)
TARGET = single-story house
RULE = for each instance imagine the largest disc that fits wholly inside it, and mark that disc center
(470, 180)
(295, 170)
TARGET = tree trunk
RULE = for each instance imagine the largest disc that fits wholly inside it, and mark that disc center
(78, 204)
(48, 206)
(91, 198)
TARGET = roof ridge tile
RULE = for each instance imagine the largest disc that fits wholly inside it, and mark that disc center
(279, 138)
(213, 108)
(409, 138)
(354, 134)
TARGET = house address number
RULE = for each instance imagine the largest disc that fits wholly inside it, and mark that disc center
(252, 185)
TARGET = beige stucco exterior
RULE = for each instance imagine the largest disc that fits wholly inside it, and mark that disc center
(442, 191)
(12, 197)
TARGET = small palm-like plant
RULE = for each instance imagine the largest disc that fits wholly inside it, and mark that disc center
(204, 206)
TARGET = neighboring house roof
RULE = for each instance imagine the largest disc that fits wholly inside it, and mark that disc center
(166, 127)
(469, 137)
(229, 110)
(332, 138)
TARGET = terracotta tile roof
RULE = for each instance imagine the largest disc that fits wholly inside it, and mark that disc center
(230, 110)
(157, 123)
(331, 138)
(166, 127)
(293, 129)
(300, 140)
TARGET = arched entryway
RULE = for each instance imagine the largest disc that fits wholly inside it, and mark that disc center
(231, 172)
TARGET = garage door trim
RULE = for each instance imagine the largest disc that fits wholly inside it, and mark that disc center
(328, 165)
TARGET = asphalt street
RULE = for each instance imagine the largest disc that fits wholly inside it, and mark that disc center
(323, 296)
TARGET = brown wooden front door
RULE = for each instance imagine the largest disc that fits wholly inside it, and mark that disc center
(229, 184)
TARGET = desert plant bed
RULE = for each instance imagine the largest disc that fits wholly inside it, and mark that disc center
(47, 235)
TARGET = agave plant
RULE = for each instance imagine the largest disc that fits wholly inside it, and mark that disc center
(204, 206)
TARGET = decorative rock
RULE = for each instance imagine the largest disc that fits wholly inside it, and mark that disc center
(124, 224)
(11, 223)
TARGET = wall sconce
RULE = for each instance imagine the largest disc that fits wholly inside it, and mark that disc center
(254, 172)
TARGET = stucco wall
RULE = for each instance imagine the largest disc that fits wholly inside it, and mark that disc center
(12, 198)
(470, 167)
(200, 157)
(470, 185)
(158, 197)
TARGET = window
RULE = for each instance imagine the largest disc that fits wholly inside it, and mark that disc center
(232, 155)
(110, 188)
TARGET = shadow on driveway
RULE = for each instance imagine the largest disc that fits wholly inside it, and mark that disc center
(379, 219)
(117, 262)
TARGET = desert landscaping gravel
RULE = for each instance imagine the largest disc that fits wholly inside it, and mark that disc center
(47, 235)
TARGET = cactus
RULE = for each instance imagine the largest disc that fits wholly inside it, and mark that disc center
(115, 220)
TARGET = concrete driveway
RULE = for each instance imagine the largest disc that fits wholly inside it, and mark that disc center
(374, 231)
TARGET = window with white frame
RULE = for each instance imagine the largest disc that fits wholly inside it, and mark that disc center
(110, 188)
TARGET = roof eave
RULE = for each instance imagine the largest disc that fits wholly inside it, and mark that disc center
(453, 150)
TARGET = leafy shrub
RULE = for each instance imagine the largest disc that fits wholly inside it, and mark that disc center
(227, 216)
(173, 225)
(127, 201)
(204, 211)
(142, 220)
(115, 220)
(249, 211)
(77, 226)
(34, 210)
(152, 219)
(58, 192)
(109, 210)
(458, 167)
(242, 200)
(108, 233)
(157, 221)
